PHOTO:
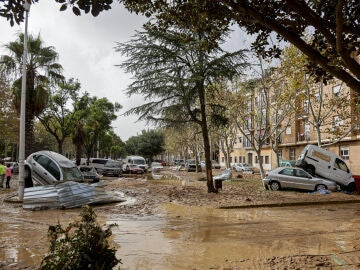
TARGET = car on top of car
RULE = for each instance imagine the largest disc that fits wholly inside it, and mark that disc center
(296, 178)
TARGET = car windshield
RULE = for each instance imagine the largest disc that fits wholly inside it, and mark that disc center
(112, 164)
(71, 173)
(139, 161)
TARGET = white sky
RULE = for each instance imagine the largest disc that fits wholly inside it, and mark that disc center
(86, 51)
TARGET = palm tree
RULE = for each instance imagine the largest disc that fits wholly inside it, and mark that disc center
(41, 70)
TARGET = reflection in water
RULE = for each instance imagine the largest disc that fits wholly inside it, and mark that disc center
(190, 237)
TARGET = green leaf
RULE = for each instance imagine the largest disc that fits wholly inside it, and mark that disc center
(63, 7)
(76, 11)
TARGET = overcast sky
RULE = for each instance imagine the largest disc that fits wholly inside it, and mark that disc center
(86, 51)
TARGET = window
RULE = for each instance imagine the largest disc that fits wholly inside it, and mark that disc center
(292, 154)
(42, 160)
(267, 160)
(344, 152)
(306, 106)
(246, 142)
(339, 164)
(337, 90)
(300, 173)
(279, 153)
(288, 131)
(337, 121)
(257, 160)
(287, 172)
(235, 159)
(54, 170)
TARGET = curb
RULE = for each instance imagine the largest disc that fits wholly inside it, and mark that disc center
(273, 205)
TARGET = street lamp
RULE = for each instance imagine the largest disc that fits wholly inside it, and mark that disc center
(23, 109)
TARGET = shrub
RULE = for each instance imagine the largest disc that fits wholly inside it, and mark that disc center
(81, 245)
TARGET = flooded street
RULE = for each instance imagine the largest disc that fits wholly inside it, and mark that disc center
(194, 238)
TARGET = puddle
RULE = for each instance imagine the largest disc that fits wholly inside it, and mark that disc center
(189, 237)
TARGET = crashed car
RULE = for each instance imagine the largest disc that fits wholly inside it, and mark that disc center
(296, 178)
(224, 175)
(47, 167)
(90, 173)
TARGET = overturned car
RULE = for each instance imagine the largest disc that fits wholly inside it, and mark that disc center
(47, 167)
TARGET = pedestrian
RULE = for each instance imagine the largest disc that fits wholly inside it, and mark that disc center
(2, 173)
(8, 175)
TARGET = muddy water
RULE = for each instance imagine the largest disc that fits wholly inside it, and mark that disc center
(193, 238)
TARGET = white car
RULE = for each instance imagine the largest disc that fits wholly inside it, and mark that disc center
(47, 167)
(156, 166)
(243, 167)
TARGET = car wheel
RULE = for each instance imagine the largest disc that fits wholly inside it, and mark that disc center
(274, 185)
(320, 187)
(351, 187)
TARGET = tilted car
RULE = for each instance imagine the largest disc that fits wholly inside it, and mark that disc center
(243, 167)
(296, 178)
(223, 175)
(47, 167)
(89, 173)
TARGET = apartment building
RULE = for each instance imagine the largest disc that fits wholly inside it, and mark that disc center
(325, 113)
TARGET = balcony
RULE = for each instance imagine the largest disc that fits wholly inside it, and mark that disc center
(303, 137)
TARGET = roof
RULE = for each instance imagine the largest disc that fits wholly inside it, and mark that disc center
(67, 195)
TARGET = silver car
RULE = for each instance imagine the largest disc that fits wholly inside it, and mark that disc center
(47, 167)
(243, 167)
(291, 177)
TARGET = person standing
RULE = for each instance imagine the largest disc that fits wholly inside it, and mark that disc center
(2, 174)
(8, 175)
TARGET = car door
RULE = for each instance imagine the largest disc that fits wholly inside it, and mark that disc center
(40, 173)
(287, 178)
(303, 180)
(340, 171)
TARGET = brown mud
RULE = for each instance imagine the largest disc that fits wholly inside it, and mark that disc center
(176, 224)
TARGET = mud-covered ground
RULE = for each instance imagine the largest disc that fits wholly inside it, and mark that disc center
(185, 188)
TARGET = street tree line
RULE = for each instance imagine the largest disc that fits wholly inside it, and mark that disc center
(177, 61)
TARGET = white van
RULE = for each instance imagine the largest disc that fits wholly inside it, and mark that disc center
(137, 160)
(324, 163)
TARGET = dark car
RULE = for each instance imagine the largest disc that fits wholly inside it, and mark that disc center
(133, 169)
(111, 167)
(106, 166)
(47, 167)
(89, 173)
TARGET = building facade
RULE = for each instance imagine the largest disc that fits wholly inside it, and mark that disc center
(322, 114)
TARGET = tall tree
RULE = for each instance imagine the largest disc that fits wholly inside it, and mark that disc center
(41, 68)
(99, 115)
(332, 50)
(59, 118)
(173, 67)
(9, 122)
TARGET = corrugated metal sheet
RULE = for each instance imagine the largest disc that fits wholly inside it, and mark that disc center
(67, 195)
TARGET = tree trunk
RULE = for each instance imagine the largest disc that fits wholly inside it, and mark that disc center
(205, 132)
